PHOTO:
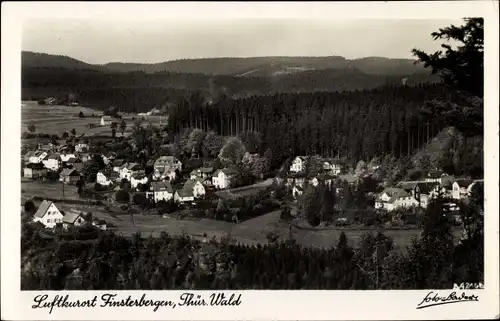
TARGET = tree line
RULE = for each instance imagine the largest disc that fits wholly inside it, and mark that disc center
(88, 259)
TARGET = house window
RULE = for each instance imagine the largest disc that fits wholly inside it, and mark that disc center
(48, 220)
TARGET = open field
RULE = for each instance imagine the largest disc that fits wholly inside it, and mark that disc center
(31, 189)
(250, 232)
(252, 189)
(55, 119)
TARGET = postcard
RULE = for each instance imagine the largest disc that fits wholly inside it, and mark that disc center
(250, 160)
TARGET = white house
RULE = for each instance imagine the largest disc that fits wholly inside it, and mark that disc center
(392, 198)
(52, 162)
(81, 148)
(183, 196)
(460, 188)
(222, 178)
(73, 218)
(37, 157)
(333, 166)
(129, 169)
(106, 120)
(117, 165)
(196, 186)
(48, 214)
(67, 156)
(169, 163)
(166, 173)
(298, 164)
(160, 191)
(202, 172)
(101, 224)
(34, 170)
(102, 179)
(138, 178)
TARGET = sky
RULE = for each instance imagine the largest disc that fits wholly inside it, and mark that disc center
(103, 41)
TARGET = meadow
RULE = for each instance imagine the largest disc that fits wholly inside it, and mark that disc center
(57, 119)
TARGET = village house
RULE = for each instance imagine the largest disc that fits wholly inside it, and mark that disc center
(333, 166)
(183, 196)
(393, 198)
(48, 214)
(222, 177)
(37, 157)
(160, 191)
(196, 186)
(75, 163)
(169, 163)
(437, 176)
(419, 188)
(67, 156)
(129, 169)
(117, 165)
(34, 170)
(106, 120)
(69, 176)
(52, 162)
(85, 157)
(73, 218)
(202, 172)
(166, 173)
(106, 179)
(298, 164)
(108, 158)
(460, 188)
(138, 178)
(81, 148)
(100, 224)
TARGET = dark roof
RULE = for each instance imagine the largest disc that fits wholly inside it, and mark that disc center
(161, 186)
(42, 209)
(185, 193)
(394, 193)
(71, 217)
(35, 166)
(118, 162)
(74, 160)
(69, 172)
(435, 173)
(190, 183)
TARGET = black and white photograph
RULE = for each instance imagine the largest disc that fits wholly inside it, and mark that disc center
(252, 154)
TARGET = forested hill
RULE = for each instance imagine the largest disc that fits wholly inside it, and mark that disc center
(137, 91)
(253, 66)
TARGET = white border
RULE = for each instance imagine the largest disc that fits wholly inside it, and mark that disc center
(282, 305)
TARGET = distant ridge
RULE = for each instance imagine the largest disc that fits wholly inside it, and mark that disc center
(250, 66)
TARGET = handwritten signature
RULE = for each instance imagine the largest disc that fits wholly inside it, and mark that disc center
(434, 299)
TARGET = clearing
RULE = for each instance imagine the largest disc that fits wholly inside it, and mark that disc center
(56, 119)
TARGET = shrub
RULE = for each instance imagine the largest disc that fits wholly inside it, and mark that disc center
(29, 206)
(122, 196)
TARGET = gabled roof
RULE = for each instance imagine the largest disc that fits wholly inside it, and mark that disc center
(190, 183)
(393, 193)
(302, 158)
(38, 166)
(226, 171)
(139, 175)
(161, 186)
(42, 209)
(69, 172)
(118, 162)
(29, 153)
(106, 117)
(163, 160)
(71, 217)
(185, 193)
(73, 160)
(55, 156)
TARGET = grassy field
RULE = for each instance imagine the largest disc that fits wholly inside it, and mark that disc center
(31, 188)
(53, 119)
